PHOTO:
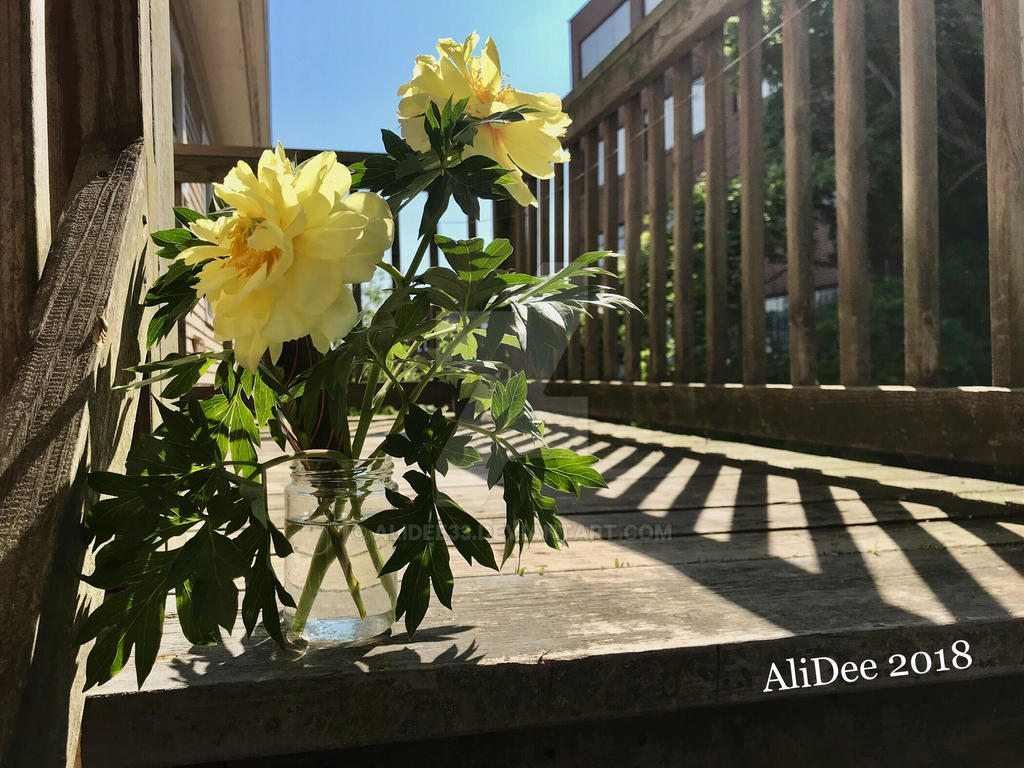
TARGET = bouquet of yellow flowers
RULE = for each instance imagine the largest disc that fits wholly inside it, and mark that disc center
(275, 256)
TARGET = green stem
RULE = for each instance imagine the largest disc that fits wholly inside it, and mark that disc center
(418, 257)
(338, 541)
(318, 565)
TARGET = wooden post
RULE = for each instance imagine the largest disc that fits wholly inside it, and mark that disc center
(24, 173)
(591, 228)
(519, 256)
(577, 171)
(851, 195)
(657, 255)
(544, 250)
(716, 265)
(530, 249)
(920, 191)
(634, 209)
(796, 91)
(561, 368)
(752, 177)
(396, 245)
(682, 216)
(610, 335)
(1004, 112)
(470, 228)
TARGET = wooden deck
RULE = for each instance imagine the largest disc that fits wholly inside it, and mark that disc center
(701, 565)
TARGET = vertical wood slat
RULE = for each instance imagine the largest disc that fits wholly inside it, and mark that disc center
(558, 256)
(919, 151)
(576, 171)
(796, 88)
(1004, 119)
(716, 273)
(434, 260)
(658, 243)
(634, 221)
(396, 246)
(610, 225)
(682, 216)
(530, 232)
(518, 223)
(24, 173)
(591, 228)
(751, 119)
(851, 194)
(544, 248)
(470, 227)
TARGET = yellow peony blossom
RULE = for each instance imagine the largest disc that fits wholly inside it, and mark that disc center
(529, 145)
(283, 261)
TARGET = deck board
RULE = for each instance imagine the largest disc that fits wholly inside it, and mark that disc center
(701, 564)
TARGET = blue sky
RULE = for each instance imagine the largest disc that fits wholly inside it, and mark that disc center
(335, 65)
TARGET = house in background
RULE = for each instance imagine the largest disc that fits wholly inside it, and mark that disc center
(594, 32)
(220, 83)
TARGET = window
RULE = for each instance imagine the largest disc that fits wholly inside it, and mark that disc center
(650, 5)
(602, 40)
(697, 101)
(600, 162)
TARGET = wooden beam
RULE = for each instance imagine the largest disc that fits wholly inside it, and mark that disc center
(544, 251)
(919, 154)
(716, 217)
(561, 367)
(207, 163)
(657, 251)
(852, 194)
(634, 223)
(610, 225)
(682, 217)
(669, 31)
(24, 173)
(796, 92)
(1004, 110)
(591, 230)
(934, 423)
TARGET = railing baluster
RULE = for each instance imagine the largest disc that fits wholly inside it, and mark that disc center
(396, 248)
(610, 335)
(752, 176)
(434, 261)
(716, 273)
(1004, 114)
(920, 191)
(591, 227)
(658, 243)
(851, 195)
(577, 170)
(682, 215)
(634, 210)
(518, 238)
(544, 198)
(530, 251)
(470, 227)
(561, 368)
(796, 89)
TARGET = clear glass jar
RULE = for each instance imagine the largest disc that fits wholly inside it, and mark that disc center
(333, 570)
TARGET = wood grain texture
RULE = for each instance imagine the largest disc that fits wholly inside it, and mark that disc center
(591, 231)
(610, 226)
(634, 222)
(58, 418)
(796, 91)
(657, 249)
(669, 31)
(24, 174)
(920, 160)
(852, 194)
(681, 78)
(1004, 142)
(752, 255)
(207, 163)
(716, 216)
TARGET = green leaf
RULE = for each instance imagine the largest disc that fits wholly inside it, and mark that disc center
(172, 236)
(564, 470)
(508, 400)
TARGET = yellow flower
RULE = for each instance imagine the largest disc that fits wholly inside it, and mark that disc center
(529, 145)
(281, 263)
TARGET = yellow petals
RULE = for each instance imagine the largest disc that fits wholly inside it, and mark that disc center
(278, 268)
(530, 145)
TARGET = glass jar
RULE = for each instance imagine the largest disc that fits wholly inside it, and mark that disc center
(333, 569)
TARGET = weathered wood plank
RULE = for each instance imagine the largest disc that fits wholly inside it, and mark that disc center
(57, 418)
(682, 217)
(577, 173)
(920, 160)
(751, 105)
(24, 175)
(530, 249)
(1004, 143)
(669, 31)
(939, 423)
(852, 194)
(559, 259)
(591, 230)
(633, 227)
(657, 250)
(207, 163)
(716, 216)
(610, 224)
(544, 225)
(796, 91)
